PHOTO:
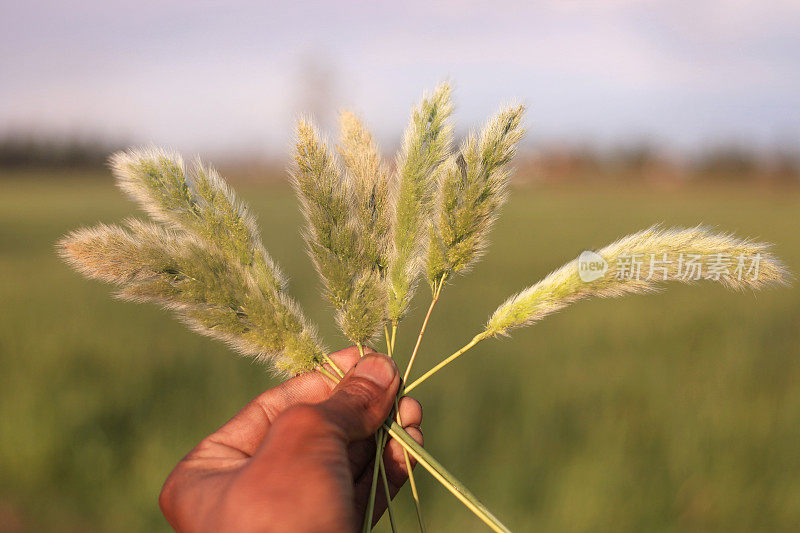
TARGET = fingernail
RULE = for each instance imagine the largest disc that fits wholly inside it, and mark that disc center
(377, 368)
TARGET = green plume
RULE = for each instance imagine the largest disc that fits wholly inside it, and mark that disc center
(211, 294)
(669, 248)
(352, 280)
(205, 260)
(426, 144)
(473, 188)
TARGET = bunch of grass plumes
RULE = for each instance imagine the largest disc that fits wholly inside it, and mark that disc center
(202, 258)
(373, 232)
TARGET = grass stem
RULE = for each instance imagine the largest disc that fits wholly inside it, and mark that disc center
(445, 478)
(333, 365)
(386, 491)
(322, 370)
(411, 480)
(437, 290)
(388, 339)
(367, 525)
(475, 340)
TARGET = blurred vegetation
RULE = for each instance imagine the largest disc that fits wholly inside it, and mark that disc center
(671, 411)
(28, 150)
(548, 163)
(644, 163)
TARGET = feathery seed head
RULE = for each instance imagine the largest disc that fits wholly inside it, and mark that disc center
(200, 203)
(206, 263)
(426, 144)
(156, 180)
(639, 263)
(332, 233)
(473, 187)
(367, 182)
(211, 294)
(365, 310)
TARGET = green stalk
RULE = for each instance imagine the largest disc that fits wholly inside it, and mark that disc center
(388, 340)
(388, 494)
(444, 477)
(475, 340)
(411, 480)
(327, 374)
(367, 525)
(333, 365)
(414, 493)
(437, 290)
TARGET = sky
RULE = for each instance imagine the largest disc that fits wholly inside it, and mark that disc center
(231, 77)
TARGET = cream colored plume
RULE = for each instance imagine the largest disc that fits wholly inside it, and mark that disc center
(346, 263)
(426, 144)
(640, 263)
(203, 259)
(473, 187)
(367, 180)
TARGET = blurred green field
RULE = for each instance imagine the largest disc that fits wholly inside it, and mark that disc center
(675, 411)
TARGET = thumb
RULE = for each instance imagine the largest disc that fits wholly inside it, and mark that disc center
(364, 398)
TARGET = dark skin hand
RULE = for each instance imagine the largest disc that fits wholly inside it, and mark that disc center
(297, 458)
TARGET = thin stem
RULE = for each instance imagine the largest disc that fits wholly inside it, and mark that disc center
(437, 290)
(475, 340)
(394, 333)
(333, 365)
(386, 491)
(322, 370)
(441, 475)
(411, 480)
(366, 527)
(388, 340)
(444, 477)
(360, 349)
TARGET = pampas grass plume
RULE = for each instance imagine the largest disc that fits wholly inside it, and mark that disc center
(202, 259)
(564, 286)
(349, 273)
(426, 144)
(473, 188)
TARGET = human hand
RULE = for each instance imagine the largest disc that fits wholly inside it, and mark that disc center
(297, 458)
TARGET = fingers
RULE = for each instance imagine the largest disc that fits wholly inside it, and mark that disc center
(241, 436)
(363, 399)
(410, 411)
(313, 387)
(362, 452)
(394, 458)
(347, 358)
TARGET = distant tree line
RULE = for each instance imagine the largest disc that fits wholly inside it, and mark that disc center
(546, 163)
(722, 163)
(32, 151)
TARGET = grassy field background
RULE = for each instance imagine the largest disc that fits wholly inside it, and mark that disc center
(675, 411)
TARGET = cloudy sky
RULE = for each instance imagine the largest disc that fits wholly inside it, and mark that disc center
(230, 76)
